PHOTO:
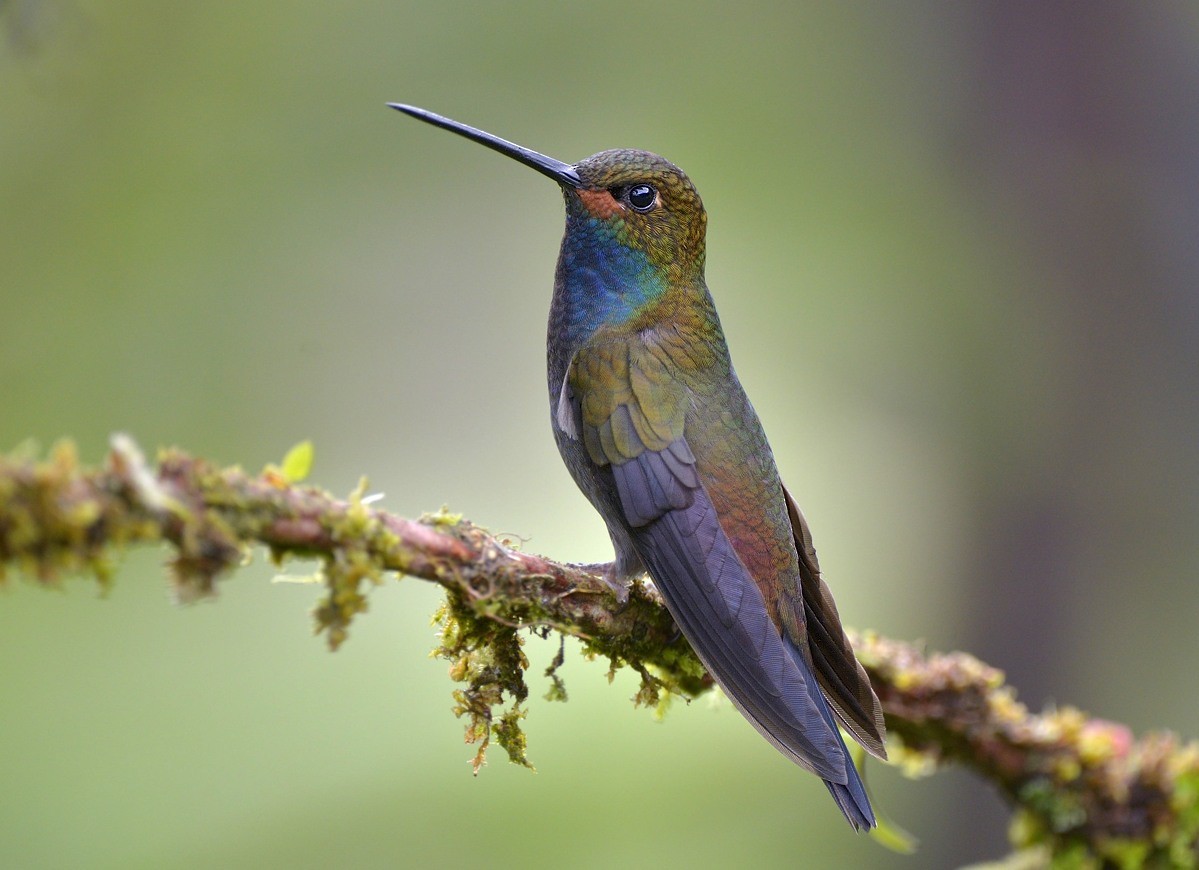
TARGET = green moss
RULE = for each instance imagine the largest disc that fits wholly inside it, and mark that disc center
(557, 689)
(1059, 809)
(487, 658)
(55, 521)
(442, 518)
(347, 575)
(511, 737)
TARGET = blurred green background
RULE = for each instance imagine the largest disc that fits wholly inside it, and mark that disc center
(954, 248)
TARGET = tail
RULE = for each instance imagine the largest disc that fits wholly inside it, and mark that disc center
(851, 798)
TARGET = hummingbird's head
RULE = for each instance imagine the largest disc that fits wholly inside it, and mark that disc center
(632, 199)
(646, 203)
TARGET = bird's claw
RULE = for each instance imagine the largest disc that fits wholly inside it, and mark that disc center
(605, 572)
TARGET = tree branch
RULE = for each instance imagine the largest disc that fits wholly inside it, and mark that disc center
(1083, 789)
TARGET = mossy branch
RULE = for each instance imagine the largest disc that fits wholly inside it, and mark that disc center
(1084, 790)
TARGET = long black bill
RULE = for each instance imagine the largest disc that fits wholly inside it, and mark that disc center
(563, 173)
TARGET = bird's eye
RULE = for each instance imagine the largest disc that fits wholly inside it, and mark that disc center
(642, 197)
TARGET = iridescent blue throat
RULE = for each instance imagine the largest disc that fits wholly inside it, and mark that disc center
(606, 282)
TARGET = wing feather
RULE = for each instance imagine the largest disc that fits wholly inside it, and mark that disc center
(769, 686)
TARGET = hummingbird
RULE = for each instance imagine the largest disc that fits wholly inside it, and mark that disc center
(656, 430)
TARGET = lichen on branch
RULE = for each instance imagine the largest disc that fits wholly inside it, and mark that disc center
(1085, 793)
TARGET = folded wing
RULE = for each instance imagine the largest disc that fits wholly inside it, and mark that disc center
(630, 413)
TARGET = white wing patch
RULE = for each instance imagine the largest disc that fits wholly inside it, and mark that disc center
(567, 415)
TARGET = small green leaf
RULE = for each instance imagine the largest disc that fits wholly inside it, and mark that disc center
(887, 834)
(298, 462)
(890, 836)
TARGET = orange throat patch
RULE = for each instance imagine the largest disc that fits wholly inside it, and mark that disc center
(600, 203)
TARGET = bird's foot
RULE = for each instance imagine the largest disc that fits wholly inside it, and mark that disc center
(606, 573)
